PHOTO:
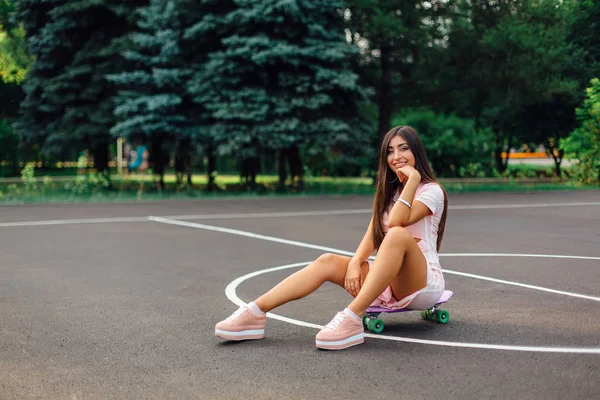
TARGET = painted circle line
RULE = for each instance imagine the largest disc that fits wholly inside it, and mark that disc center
(230, 292)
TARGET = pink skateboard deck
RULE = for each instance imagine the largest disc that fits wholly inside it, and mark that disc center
(371, 310)
(371, 323)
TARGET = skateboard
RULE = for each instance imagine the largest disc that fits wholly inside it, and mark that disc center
(371, 323)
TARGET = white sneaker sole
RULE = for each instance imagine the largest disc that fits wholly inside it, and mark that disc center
(241, 335)
(341, 344)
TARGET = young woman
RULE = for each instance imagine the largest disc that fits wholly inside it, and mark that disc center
(409, 215)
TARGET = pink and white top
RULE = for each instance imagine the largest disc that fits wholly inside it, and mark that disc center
(432, 195)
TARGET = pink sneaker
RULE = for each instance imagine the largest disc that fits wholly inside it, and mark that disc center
(342, 332)
(242, 325)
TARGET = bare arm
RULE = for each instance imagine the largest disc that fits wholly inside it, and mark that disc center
(354, 275)
(366, 246)
(401, 214)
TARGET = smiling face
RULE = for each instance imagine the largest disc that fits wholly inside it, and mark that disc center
(399, 154)
(401, 146)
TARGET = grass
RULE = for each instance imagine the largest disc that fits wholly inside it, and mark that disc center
(84, 189)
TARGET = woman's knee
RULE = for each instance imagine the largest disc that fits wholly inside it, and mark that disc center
(327, 258)
(331, 265)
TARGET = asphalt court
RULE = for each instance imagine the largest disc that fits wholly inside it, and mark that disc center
(101, 301)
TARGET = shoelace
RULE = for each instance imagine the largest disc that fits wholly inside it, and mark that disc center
(336, 322)
(237, 314)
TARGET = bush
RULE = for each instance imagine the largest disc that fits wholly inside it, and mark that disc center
(454, 147)
(583, 144)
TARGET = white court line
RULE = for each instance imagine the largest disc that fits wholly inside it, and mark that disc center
(518, 255)
(369, 211)
(276, 214)
(246, 234)
(230, 292)
(524, 285)
(192, 217)
(350, 254)
(74, 221)
(273, 214)
(530, 205)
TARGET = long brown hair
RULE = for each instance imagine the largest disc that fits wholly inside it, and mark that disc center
(388, 182)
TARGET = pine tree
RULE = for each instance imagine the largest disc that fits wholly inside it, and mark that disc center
(69, 101)
(39, 116)
(100, 35)
(282, 81)
(171, 43)
(205, 25)
(153, 104)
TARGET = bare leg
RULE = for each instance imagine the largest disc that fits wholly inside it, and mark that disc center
(399, 262)
(326, 268)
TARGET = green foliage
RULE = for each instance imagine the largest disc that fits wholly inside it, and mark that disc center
(251, 77)
(13, 57)
(152, 98)
(454, 147)
(31, 184)
(503, 59)
(87, 184)
(527, 171)
(153, 104)
(40, 115)
(68, 99)
(396, 39)
(583, 144)
(28, 177)
(584, 31)
(281, 79)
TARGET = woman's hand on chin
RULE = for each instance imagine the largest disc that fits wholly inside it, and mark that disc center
(406, 172)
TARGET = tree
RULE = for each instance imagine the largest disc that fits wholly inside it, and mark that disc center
(583, 32)
(153, 103)
(454, 148)
(38, 115)
(99, 30)
(204, 27)
(546, 123)
(282, 82)
(69, 102)
(14, 63)
(583, 145)
(395, 35)
(504, 58)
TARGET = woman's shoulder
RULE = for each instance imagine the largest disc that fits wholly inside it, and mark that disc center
(432, 195)
(430, 187)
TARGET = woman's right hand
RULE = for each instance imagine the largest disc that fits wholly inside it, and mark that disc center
(354, 279)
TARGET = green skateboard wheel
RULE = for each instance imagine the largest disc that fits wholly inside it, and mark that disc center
(442, 316)
(375, 325)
